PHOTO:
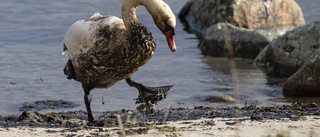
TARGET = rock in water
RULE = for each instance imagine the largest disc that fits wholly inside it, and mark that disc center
(249, 25)
(47, 104)
(221, 98)
(243, 42)
(197, 15)
(286, 54)
(306, 81)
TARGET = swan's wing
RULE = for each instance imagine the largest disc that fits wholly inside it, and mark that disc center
(81, 36)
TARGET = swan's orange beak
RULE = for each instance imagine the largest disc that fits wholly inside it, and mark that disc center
(170, 39)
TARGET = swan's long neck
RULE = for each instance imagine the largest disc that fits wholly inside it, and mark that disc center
(162, 16)
(129, 7)
(128, 11)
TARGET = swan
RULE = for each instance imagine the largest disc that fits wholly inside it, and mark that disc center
(104, 50)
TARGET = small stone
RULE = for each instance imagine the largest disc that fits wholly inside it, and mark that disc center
(221, 98)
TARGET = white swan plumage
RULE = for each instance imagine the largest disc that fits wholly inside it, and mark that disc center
(81, 29)
(104, 50)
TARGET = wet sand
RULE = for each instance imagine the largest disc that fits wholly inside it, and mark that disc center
(310, 126)
(287, 120)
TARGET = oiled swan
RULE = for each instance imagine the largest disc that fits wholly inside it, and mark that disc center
(106, 49)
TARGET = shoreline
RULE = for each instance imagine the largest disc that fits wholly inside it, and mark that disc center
(187, 128)
(287, 120)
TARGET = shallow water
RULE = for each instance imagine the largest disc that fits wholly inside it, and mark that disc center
(32, 65)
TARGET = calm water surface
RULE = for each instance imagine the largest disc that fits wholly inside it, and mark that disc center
(30, 47)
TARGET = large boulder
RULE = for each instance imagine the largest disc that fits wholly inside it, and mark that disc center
(198, 15)
(306, 81)
(286, 54)
(224, 39)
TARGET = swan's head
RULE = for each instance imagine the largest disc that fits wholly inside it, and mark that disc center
(164, 19)
(167, 27)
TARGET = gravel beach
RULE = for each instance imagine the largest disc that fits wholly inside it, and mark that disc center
(287, 120)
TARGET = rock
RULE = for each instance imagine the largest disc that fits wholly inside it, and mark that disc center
(47, 104)
(248, 26)
(31, 116)
(147, 108)
(224, 39)
(221, 98)
(197, 15)
(286, 54)
(305, 82)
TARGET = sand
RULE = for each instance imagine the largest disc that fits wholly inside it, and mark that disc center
(219, 127)
(250, 121)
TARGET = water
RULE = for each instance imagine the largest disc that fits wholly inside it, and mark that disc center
(32, 65)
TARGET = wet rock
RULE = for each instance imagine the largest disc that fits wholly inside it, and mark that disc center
(33, 118)
(286, 54)
(221, 98)
(224, 39)
(305, 82)
(197, 15)
(30, 116)
(13, 83)
(47, 104)
(147, 108)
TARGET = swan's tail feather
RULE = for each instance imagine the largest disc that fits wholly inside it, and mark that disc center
(96, 16)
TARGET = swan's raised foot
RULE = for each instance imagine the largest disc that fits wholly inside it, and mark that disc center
(157, 95)
(152, 94)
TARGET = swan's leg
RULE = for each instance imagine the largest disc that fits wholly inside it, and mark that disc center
(152, 94)
(87, 101)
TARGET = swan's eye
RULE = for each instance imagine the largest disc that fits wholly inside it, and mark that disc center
(169, 28)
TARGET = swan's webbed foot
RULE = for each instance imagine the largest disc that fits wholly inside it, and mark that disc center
(152, 94)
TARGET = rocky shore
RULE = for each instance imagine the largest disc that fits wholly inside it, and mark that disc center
(290, 120)
(272, 32)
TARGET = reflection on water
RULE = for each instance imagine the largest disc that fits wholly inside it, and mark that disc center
(30, 47)
(240, 78)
